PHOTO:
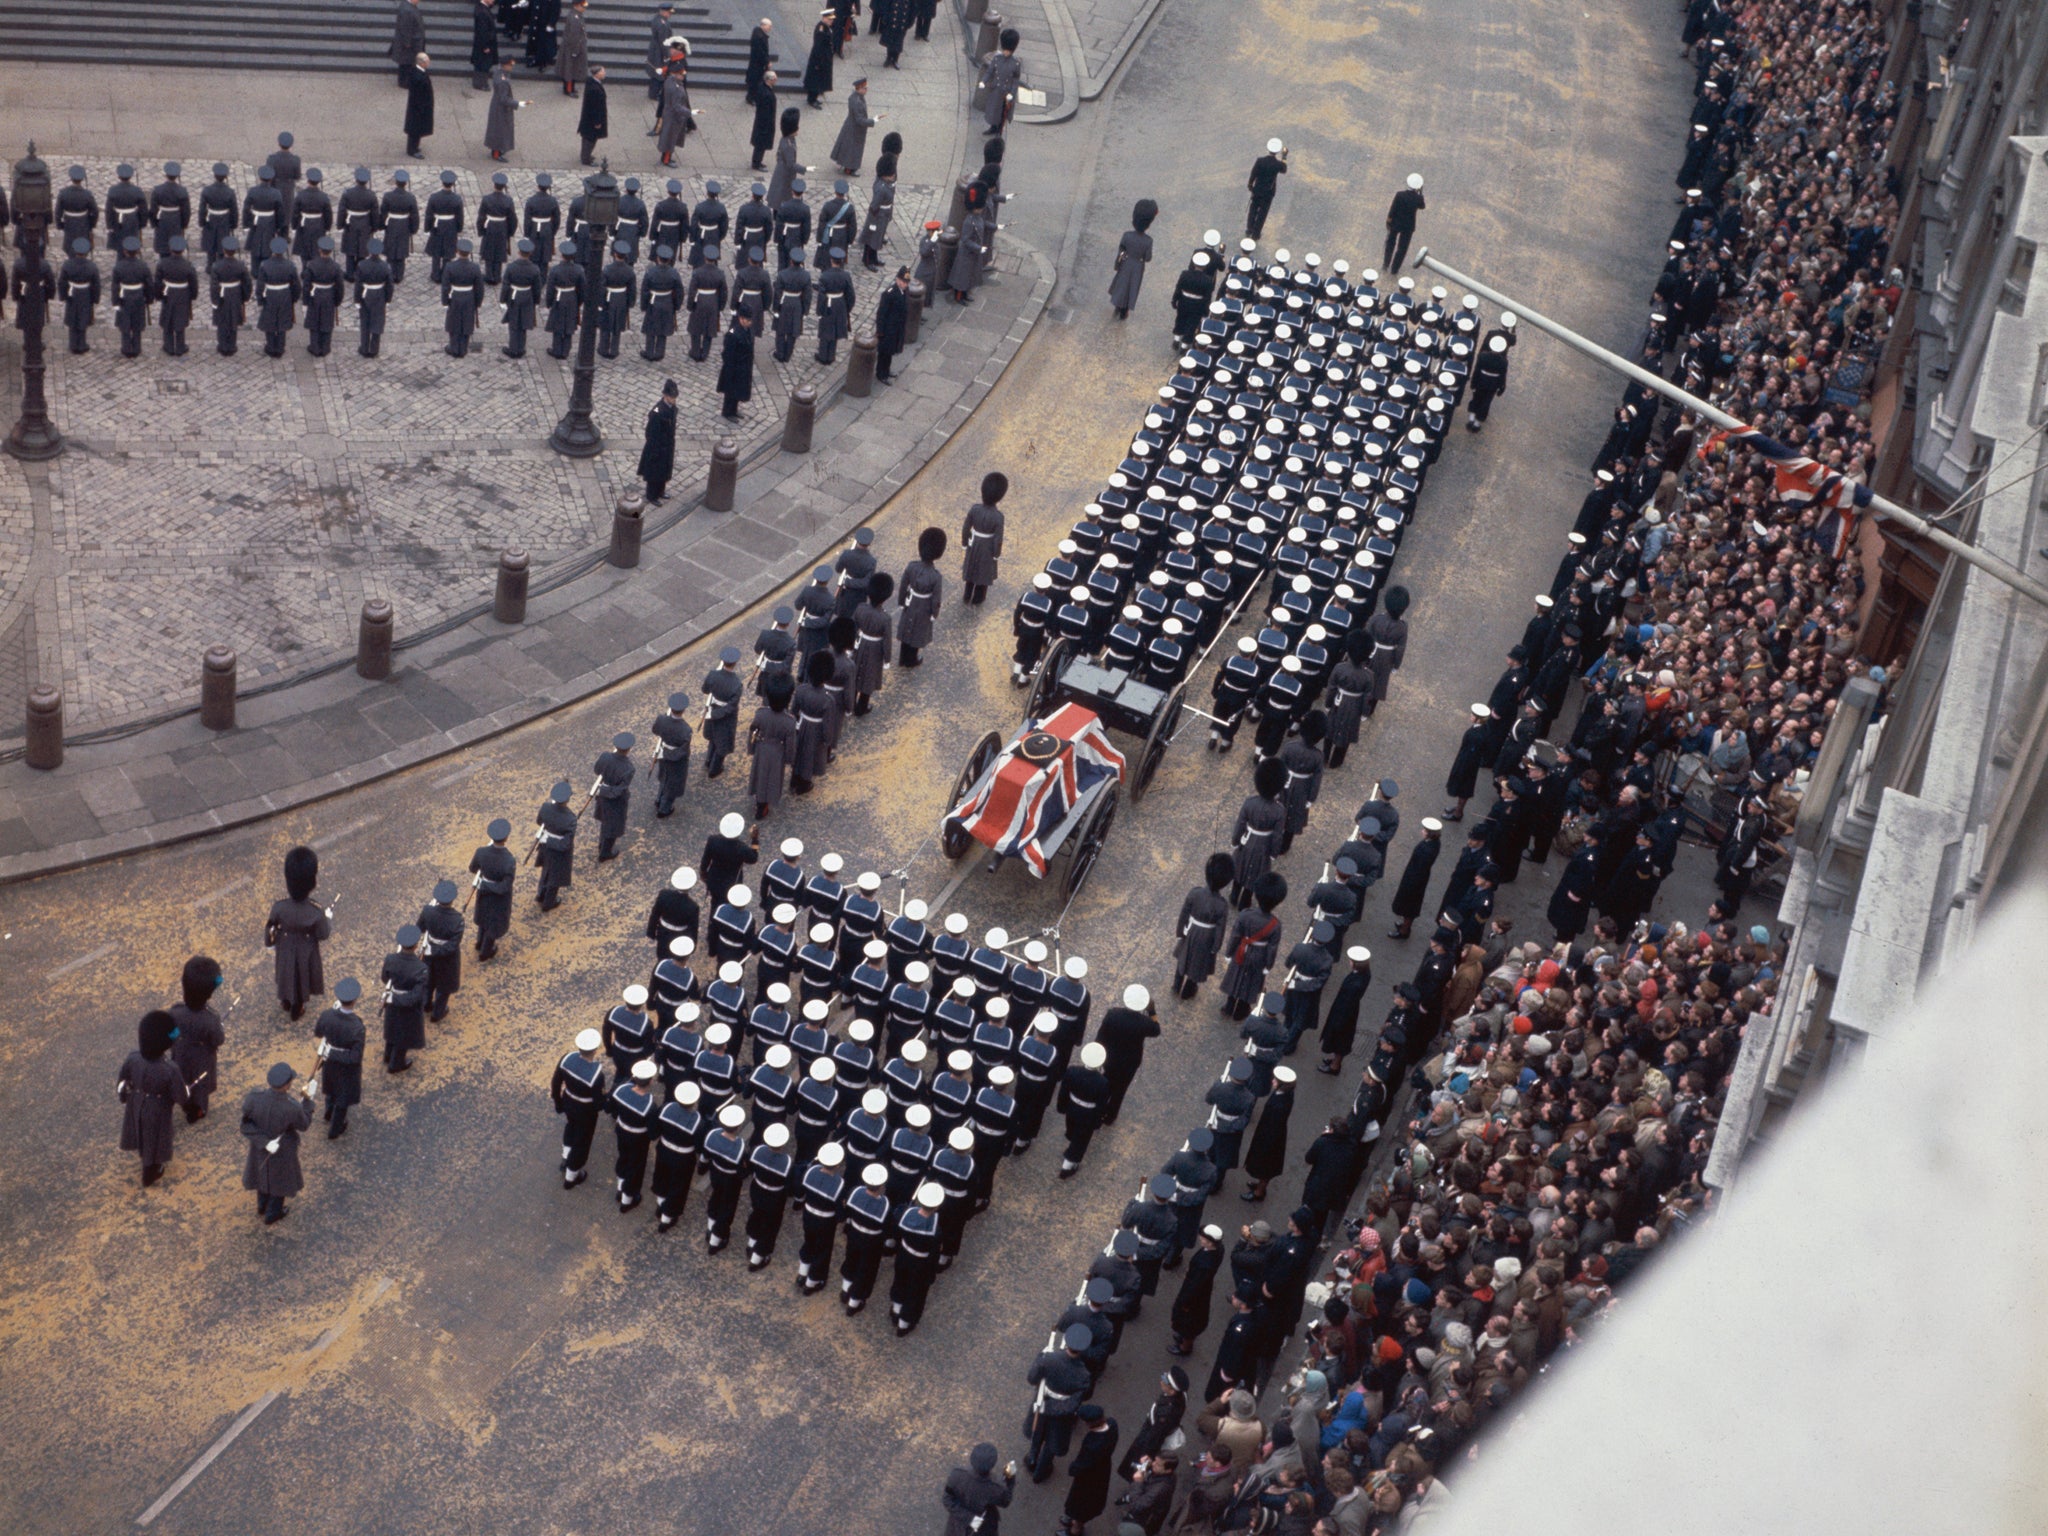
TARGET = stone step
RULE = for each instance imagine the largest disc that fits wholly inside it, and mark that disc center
(340, 36)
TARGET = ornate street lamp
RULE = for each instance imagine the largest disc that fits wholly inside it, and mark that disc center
(576, 433)
(34, 286)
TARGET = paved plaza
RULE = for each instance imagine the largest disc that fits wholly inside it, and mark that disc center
(255, 502)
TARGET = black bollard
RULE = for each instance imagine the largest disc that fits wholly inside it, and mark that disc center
(373, 640)
(627, 519)
(725, 475)
(803, 416)
(509, 606)
(217, 689)
(45, 727)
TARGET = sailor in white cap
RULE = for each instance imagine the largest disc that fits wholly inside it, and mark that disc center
(630, 1029)
(867, 1229)
(580, 1094)
(1262, 183)
(1340, 1024)
(634, 1104)
(917, 1253)
(1407, 203)
(725, 1159)
(1476, 748)
(1083, 1091)
(678, 1136)
(1040, 1066)
(1122, 1035)
(772, 1167)
(821, 1192)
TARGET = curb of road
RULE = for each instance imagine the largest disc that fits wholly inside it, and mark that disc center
(1077, 86)
(479, 632)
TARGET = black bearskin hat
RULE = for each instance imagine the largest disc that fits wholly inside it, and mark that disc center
(301, 872)
(931, 544)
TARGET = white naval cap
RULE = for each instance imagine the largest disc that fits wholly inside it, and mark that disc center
(874, 1101)
(1274, 146)
(731, 972)
(960, 1061)
(997, 1008)
(823, 1070)
(914, 1050)
(738, 896)
(831, 1155)
(588, 1040)
(643, 1071)
(874, 1175)
(916, 910)
(875, 949)
(1358, 954)
(682, 946)
(930, 1196)
(778, 993)
(917, 1117)
(718, 1034)
(1035, 950)
(1045, 1021)
(776, 1135)
(821, 933)
(831, 864)
(731, 824)
(956, 924)
(1283, 1077)
(817, 1009)
(860, 1032)
(963, 988)
(683, 879)
(732, 1117)
(961, 1139)
(687, 1093)
(917, 973)
(1001, 1077)
(869, 882)
(792, 847)
(784, 913)
(1076, 967)
(1093, 1055)
(634, 996)
(779, 1057)
(1137, 997)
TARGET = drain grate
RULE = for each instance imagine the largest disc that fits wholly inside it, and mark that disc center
(174, 386)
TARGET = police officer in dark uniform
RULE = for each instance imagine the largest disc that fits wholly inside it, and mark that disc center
(131, 289)
(565, 299)
(444, 222)
(612, 793)
(373, 292)
(496, 219)
(177, 289)
(671, 753)
(341, 1034)
(614, 300)
(462, 293)
(277, 297)
(170, 208)
(441, 928)
(519, 296)
(492, 869)
(542, 214)
(555, 845)
(78, 211)
(126, 208)
(579, 1094)
(405, 1001)
(398, 219)
(263, 214)
(661, 299)
(705, 299)
(708, 223)
(232, 287)
(723, 690)
(312, 217)
(356, 214)
(78, 285)
(323, 281)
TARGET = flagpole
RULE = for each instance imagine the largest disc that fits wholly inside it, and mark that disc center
(1990, 565)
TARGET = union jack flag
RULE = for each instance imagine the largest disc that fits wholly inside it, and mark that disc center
(1022, 808)
(1800, 480)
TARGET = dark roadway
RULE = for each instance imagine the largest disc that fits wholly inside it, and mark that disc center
(501, 1355)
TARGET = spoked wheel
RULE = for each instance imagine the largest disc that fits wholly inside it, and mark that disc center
(1157, 741)
(1090, 840)
(1045, 681)
(953, 837)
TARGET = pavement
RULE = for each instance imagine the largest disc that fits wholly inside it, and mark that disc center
(304, 486)
(440, 1337)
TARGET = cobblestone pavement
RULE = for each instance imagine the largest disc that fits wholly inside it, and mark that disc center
(256, 502)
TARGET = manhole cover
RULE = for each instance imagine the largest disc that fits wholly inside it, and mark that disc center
(174, 386)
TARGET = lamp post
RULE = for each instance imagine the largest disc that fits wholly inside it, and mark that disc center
(33, 437)
(576, 433)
